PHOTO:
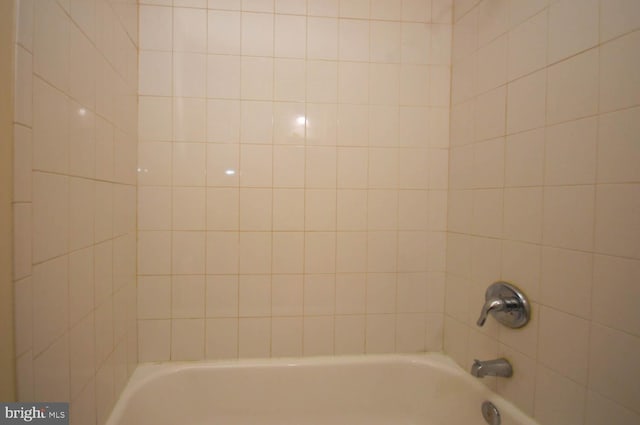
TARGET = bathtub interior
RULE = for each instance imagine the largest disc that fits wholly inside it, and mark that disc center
(378, 390)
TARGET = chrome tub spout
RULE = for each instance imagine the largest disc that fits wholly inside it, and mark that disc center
(497, 367)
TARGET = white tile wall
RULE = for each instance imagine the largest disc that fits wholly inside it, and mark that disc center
(292, 155)
(548, 173)
(74, 200)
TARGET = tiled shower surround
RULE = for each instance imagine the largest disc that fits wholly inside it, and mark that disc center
(301, 191)
(74, 202)
(545, 192)
(292, 177)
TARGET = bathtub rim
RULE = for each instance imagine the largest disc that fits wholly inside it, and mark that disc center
(148, 371)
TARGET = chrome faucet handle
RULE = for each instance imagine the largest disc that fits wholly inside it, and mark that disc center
(494, 304)
(507, 304)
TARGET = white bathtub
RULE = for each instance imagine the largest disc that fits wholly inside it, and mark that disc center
(425, 389)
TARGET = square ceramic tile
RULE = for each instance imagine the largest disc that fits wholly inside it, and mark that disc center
(187, 297)
(380, 333)
(50, 216)
(254, 337)
(563, 144)
(188, 208)
(492, 20)
(489, 163)
(619, 64)
(354, 8)
(50, 302)
(256, 166)
(255, 209)
(526, 103)
(528, 46)
(189, 74)
(320, 210)
(23, 101)
(320, 167)
(290, 36)
(223, 121)
(223, 165)
(223, 34)
(222, 296)
(318, 336)
(349, 334)
(611, 358)
(352, 166)
(222, 209)
(187, 339)
(617, 152)
(492, 64)
(416, 40)
(618, 17)
(289, 80)
(51, 44)
(353, 82)
(613, 276)
(155, 74)
(568, 217)
(524, 158)
(288, 209)
(353, 124)
(258, 5)
(558, 397)
(154, 297)
(353, 42)
(156, 28)
(351, 209)
(287, 295)
(601, 409)
(385, 42)
(616, 221)
(257, 122)
(154, 252)
(288, 252)
(323, 7)
(410, 333)
(255, 252)
(189, 164)
(351, 252)
(51, 372)
(257, 78)
(257, 34)
(523, 214)
(288, 166)
(322, 38)
(286, 336)
(50, 128)
(320, 248)
(189, 119)
(294, 7)
(189, 30)
(188, 252)
(564, 343)
(382, 209)
(573, 27)
(156, 118)
(572, 88)
(221, 338)
(254, 296)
